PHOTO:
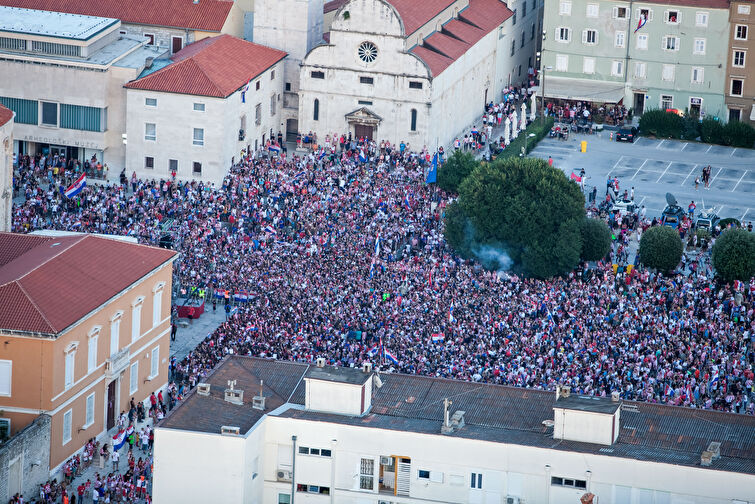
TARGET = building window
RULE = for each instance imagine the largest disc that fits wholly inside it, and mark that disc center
(590, 37)
(670, 43)
(699, 47)
(701, 19)
(592, 10)
(698, 74)
(740, 32)
(4, 428)
(523, 38)
(588, 65)
(150, 38)
(743, 9)
(154, 365)
(646, 14)
(620, 12)
(150, 102)
(288, 86)
(364, 102)
(367, 474)
(736, 87)
(315, 489)
(258, 114)
(284, 498)
(667, 102)
(413, 126)
(150, 132)
(476, 481)
(642, 42)
(564, 8)
(317, 74)
(176, 44)
(157, 305)
(149, 162)
(734, 115)
(316, 110)
(532, 31)
(49, 114)
(272, 106)
(513, 18)
(367, 52)
(115, 330)
(423, 474)
(91, 352)
(83, 118)
(172, 165)
(136, 310)
(198, 138)
(366, 80)
(617, 68)
(562, 62)
(69, 368)
(133, 378)
(563, 34)
(27, 111)
(415, 85)
(668, 72)
(89, 411)
(524, 8)
(257, 85)
(738, 59)
(620, 39)
(196, 168)
(513, 47)
(272, 74)
(672, 16)
(6, 373)
(568, 482)
(640, 70)
(67, 421)
(198, 107)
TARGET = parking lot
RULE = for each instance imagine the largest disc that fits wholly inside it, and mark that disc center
(655, 167)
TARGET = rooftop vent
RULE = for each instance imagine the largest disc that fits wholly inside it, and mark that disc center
(706, 458)
(148, 62)
(232, 395)
(455, 422)
(615, 396)
(203, 389)
(715, 448)
(229, 430)
(367, 367)
(258, 402)
(562, 391)
(320, 362)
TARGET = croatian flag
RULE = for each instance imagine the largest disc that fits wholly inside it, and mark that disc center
(241, 297)
(274, 148)
(270, 229)
(713, 380)
(437, 337)
(243, 92)
(643, 20)
(120, 439)
(322, 155)
(451, 318)
(362, 156)
(76, 187)
(390, 356)
(373, 351)
(738, 285)
(377, 253)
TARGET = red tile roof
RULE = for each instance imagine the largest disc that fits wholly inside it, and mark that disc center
(49, 283)
(415, 13)
(333, 5)
(5, 115)
(208, 15)
(441, 49)
(215, 66)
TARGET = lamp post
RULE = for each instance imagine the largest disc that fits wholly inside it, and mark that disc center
(525, 143)
(542, 85)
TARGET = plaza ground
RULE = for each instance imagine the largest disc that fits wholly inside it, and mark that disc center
(655, 167)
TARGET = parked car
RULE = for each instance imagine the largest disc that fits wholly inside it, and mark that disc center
(625, 206)
(626, 134)
(707, 220)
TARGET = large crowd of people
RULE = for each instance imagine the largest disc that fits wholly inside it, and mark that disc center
(345, 259)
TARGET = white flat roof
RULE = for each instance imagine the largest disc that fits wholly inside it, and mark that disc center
(52, 24)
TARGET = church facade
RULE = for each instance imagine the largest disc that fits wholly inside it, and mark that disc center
(417, 72)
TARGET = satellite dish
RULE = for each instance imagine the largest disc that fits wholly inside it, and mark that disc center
(670, 199)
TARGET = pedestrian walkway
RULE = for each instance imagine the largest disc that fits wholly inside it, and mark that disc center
(188, 337)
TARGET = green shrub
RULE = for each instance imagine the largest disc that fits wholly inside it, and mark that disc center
(661, 124)
(690, 127)
(712, 131)
(734, 255)
(596, 239)
(453, 172)
(661, 248)
(738, 134)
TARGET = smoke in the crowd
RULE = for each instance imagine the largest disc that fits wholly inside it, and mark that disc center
(493, 258)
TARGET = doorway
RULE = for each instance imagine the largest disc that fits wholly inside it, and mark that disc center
(362, 130)
(734, 114)
(177, 43)
(57, 150)
(292, 129)
(639, 103)
(15, 476)
(111, 405)
(695, 104)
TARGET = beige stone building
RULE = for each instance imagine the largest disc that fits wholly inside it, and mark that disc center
(84, 323)
(740, 72)
(6, 167)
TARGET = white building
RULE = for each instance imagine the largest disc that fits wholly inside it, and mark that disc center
(195, 112)
(420, 72)
(63, 75)
(6, 167)
(289, 432)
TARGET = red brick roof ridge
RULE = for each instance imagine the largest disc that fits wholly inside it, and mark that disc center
(39, 310)
(5, 115)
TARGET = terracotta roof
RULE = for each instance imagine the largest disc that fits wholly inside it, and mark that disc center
(5, 116)
(333, 5)
(215, 66)
(49, 283)
(709, 4)
(415, 13)
(209, 15)
(441, 49)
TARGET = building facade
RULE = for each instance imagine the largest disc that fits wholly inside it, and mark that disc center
(286, 432)
(6, 167)
(197, 127)
(740, 74)
(79, 346)
(418, 73)
(645, 55)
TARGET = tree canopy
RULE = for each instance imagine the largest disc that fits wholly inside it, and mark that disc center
(734, 255)
(596, 239)
(456, 168)
(661, 248)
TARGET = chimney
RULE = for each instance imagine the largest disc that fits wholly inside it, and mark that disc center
(320, 362)
(615, 396)
(706, 458)
(562, 391)
(203, 389)
(234, 396)
(367, 368)
(258, 402)
(455, 422)
(148, 62)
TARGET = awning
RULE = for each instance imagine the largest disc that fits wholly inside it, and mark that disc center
(583, 89)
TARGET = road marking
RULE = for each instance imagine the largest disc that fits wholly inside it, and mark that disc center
(740, 180)
(638, 169)
(614, 166)
(641, 201)
(720, 210)
(659, 145)
(714, 177)
(683, 146)
(709, 147)
(732, 152)
(743, 216)
(664, 172)
(690, 173)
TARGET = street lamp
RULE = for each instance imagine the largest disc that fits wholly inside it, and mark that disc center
(542, 112)
(524, 152)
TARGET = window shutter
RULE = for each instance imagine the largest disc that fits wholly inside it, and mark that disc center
(557, 36)
(615, 13)
(584, 36)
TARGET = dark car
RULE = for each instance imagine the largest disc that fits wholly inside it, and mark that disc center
(627, 134)
(672, 216)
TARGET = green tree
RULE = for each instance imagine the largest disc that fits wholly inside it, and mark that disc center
(734, 255)
(596, 239)
(531, 209)
(453, 172)
(738, 134)
(661, 248)
(711, 131)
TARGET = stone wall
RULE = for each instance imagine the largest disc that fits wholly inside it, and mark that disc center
(25, 460)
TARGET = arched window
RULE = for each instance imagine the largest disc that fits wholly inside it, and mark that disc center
(414, 120)
(316, 114)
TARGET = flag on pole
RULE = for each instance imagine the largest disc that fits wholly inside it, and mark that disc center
(373, 350)
(243, 91)
(432, 176)
(377, 253)
(451, 318)
(121, 437)
(575, 177)
(388, 355)
(362, 156)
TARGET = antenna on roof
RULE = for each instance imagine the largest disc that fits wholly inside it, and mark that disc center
(231, 384)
